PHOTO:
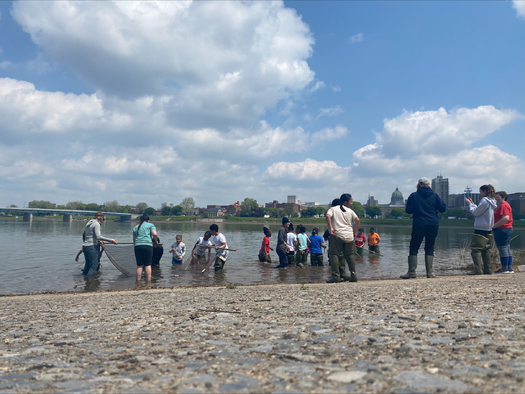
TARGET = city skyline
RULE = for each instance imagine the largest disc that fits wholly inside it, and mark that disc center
(225, 100)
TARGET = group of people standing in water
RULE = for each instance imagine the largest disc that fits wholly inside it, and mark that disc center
(345, 238)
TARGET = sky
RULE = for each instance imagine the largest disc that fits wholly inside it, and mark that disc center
(158, 101)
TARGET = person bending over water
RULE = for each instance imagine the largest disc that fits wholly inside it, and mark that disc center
(220, 244)
(198, 253)
(91, 238)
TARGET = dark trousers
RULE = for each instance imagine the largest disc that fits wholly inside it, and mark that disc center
(91, 255)
(429, 233)
(283, 259)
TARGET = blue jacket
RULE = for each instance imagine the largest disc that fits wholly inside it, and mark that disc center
(424, 204)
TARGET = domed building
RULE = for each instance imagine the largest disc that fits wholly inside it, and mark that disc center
(397, 199)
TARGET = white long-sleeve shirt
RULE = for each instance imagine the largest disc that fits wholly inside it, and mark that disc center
(179, 250)
(483, 213)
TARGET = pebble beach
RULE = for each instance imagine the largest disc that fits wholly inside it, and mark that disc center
(450, 334)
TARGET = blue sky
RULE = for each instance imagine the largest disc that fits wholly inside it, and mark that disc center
(219, 101)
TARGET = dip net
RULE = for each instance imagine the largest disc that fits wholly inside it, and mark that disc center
(122, 256)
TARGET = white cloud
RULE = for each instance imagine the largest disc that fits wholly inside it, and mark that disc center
(419, 144)
(318, 85)
(4, 64)
(519, 6)
(427, 132)
(332, 111)
(330, 134)
(356, 38)
(309, 169)
(336, 88)
(249, 56)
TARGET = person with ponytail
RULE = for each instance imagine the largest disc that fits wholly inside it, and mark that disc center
(483, 239)
(343, 223)
(264, 253)
(144, 238)
(502, 232)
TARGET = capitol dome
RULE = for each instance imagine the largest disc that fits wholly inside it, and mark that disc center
(397, 198)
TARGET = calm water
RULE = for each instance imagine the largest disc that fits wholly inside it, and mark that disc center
(40, 256)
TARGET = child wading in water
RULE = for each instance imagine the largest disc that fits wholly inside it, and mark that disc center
(220, 244)
(373, 241)
(178, 250)
(360, 240)
(316, 248)
(198, 253)
(291, 241)
(264, 253)
(302, 243)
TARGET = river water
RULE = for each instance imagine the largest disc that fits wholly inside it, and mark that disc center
(40, 256)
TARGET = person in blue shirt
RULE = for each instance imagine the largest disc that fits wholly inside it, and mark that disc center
(144, 238)
(424, 205)
(316, 248)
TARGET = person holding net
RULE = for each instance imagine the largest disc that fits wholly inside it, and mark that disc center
(92, 236)
(198, 253)
(144, 238)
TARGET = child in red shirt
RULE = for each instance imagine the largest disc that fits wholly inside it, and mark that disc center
(264, 253)
(360, 240)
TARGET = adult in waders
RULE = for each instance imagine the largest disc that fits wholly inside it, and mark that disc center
(91, 237)
(342, 222)
(144, 239)
(424, 206)
(282, 248)
(220, 244)
(482, 240)
(502, 232)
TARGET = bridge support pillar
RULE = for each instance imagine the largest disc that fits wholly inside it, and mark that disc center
(124, 218)
(67, 218)
(28, 217)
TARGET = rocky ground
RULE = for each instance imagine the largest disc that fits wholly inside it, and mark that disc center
(450, 334)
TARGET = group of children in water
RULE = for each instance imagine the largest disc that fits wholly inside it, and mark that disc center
(300, 245)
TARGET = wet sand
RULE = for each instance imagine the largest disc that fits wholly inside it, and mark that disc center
(449, 334)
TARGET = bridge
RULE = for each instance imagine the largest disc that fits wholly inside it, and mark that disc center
(67, 213)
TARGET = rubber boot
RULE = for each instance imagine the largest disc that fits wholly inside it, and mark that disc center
(429, 261)
(334, 263)
(351, 267)
(476, 258)
(342, 272)
(412, 265)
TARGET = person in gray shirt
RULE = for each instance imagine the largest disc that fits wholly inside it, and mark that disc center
(91, 238)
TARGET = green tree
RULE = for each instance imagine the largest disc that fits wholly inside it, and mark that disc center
(76, 205)
(357, 207)
(205, 214)
(166, 211)
(176, 210)
(111, 206)
(61, 207)
(309, 212)
(373, 212)
(456, 212)
(141, 207)
(188, 206)
(249, 207)
(288, 209)
(92, 207)
(125, 209)
(13, 206)
(273, 212)
(41, 204)
(320, 211)
(397, 213)
(149, 211)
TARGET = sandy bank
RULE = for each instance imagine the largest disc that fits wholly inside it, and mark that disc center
(453, 334)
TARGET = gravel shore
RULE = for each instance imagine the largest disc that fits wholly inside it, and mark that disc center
(449, 334)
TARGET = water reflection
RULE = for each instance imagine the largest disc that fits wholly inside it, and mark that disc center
(45, 248)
